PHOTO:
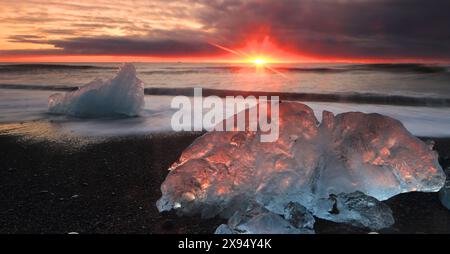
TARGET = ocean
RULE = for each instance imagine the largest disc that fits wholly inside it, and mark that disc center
(416, 94)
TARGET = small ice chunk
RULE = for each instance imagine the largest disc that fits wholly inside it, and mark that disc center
(223, 229)
(267, 223)
(356, 209)
(444, 193)
(121, 95)
(298, 216)
(258, 220)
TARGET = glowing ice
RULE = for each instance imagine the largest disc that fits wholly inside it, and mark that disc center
(121, 95)
(222, 172)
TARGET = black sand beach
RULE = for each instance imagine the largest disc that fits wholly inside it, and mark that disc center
(111, 187)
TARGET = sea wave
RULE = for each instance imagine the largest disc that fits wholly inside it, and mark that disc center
(43, 67)
(406, 67)
(381, 67)
(194, 69)
(38, 87)
(360, 98)
(171, 72)
(413, 68)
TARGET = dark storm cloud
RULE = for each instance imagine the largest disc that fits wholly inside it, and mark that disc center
(164, 46)
(127, 46)
(358, 28)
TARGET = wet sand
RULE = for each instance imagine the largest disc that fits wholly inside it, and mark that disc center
(111, 186)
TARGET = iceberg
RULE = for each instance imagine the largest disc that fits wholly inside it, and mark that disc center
(122, 95)
(358, 158)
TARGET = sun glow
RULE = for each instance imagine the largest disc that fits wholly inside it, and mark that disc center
(259, 61)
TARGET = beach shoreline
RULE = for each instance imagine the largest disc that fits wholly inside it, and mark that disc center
(111, 186)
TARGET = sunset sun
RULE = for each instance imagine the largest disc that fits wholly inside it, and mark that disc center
(259, 61)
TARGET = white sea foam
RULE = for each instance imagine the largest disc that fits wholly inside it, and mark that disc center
(29, 105)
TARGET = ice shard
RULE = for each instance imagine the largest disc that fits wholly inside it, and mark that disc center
(122, 95)
(356, 209)
(258, 220)
(444, 193)
(223, 172)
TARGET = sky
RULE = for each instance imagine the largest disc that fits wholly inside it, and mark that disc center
(225, 30)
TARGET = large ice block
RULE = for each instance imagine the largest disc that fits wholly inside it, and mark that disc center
(222, 172)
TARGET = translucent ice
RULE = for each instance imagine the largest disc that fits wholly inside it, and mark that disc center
(299, 216)
(222, 172)
(258, 220)
(444, 193)
(121, 95)
(356, 209)
(223, 229)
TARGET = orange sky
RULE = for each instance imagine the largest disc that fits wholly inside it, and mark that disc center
(226, 58)
(189, 31)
